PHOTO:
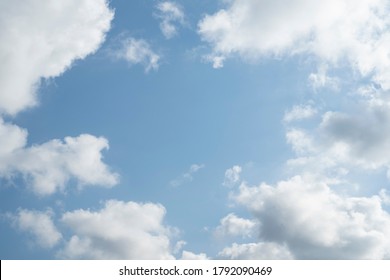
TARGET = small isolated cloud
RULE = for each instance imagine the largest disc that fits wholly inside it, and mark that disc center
(256, 251)
(233, 226)
(137, 51)
(299, 112)
(120, 230)
(40, 225)
(49, 166)
(232, 176)
(186, 255)
(188, 176)
(314, 222)
(170, 14)
(41, 39)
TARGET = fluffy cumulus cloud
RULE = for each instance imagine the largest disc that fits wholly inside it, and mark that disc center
(231, 225)
(41, 39)
(313, 221)
(137, 51)
(40, 225)
(334, 31)
(120, 230)
(49, 166)
(256, 251)
(170, 14)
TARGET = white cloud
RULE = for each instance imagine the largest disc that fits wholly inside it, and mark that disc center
(335, 31)
(120, 230)
(233, 226)
(232, 176)
(256, 251)
(186, 255)
(300, 140)
(170, 13)
(358, 138)
(187, 176)
(314, 222)
(49, 166)
(38, 224)
(138, 51)
(321, 79)
(41, 39)
(299, 112)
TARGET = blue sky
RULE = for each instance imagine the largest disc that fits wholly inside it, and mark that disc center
(178, 129)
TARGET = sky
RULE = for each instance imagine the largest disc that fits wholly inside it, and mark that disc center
(231, 129)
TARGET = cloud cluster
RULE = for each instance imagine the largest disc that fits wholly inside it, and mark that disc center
(169, 13)
(40, 40)
(315, 222)
(334, 31)
(119, 230)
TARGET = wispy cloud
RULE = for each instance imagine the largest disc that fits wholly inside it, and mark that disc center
(187, 176)
(170, 14)
(232, 176)
(137, 51)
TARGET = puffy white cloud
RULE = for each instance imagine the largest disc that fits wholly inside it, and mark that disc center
(187, 176)
(256, 251)
(314, 222)
(231, 225)
(186, 255)
(41, 39)
(334, 31)
(169, 13)
(38, 224)
(232, 176)
(49, 166)
(120, 230)
(138, 51)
